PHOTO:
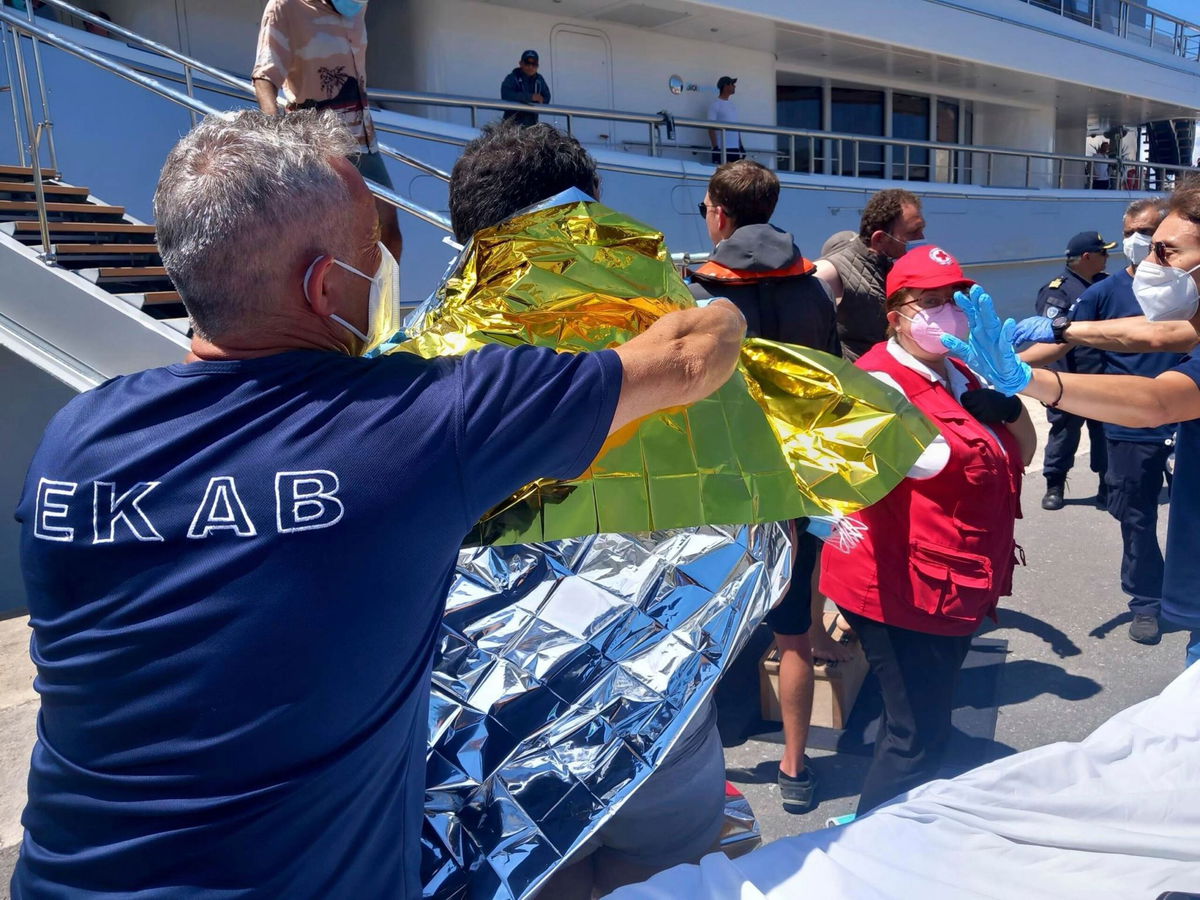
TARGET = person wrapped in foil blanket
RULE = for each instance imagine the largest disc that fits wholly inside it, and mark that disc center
(584, 635)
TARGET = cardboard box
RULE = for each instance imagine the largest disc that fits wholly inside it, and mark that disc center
(836, 684)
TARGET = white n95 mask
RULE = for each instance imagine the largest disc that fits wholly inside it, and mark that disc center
(383, 315)
(1136, 247)
(1165, 293)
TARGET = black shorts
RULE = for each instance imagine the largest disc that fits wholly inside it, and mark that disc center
(793, 615)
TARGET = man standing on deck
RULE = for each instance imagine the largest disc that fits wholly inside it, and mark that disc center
(1087, 257)
(760, 269)
(237, 566)
(723, 109)
(856, 269)
(1137, 457)
(316, 52)
(525, 84)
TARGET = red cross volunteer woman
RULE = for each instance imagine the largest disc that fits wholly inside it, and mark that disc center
(938, 551)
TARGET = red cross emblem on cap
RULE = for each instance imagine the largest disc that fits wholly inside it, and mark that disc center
(941, 257)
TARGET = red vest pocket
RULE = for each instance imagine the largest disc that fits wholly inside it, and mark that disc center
(951, 583)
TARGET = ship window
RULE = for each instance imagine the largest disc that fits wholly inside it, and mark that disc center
(910, 121)
(799, 106)
(857, 111)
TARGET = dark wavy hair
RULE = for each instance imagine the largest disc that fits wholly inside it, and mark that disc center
(883, 209)
(508, 168)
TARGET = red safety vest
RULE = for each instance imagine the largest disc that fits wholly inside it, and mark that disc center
(938, 552)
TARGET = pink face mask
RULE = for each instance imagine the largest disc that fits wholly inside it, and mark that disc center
(928, 326)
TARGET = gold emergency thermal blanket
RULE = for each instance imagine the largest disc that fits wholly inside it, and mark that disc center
(794, 432)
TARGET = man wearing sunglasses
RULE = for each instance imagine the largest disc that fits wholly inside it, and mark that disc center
(759, 268)
(1087, 257)
(525, 84)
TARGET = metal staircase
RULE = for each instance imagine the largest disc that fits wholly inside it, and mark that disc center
(94, 240)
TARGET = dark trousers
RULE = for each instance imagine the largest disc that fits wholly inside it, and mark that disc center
(1136, 473)
(917, 673)
(1063, 443)
(732, 154)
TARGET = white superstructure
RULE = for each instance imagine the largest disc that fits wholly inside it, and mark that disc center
(983, 107)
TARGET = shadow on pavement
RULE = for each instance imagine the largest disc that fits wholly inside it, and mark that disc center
(1059, 642)
(1102, 630)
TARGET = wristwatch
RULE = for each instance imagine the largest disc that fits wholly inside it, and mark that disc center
(1058, 327)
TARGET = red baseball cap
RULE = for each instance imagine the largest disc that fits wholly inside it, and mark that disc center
(925, 267)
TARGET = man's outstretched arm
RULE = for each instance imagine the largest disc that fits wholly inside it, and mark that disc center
(681, 358)
(1135, 334)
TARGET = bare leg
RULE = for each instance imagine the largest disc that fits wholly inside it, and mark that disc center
(795, 698)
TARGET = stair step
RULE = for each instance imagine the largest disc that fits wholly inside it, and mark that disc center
(58, 190)
(26, 171)
(180, 325)
(103, 249)
(119, 273)
(152, 298)
(27, 227)
(12, 206)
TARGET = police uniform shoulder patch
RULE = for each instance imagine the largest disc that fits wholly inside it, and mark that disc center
(1056, 283)
(1052, 312)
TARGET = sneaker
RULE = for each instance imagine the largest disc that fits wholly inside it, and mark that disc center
(1054, 497)
(798, 794)
(1102, 496)
(1144, 629)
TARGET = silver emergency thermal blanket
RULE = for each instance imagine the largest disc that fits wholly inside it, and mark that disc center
(566, 672)
(1113, 817)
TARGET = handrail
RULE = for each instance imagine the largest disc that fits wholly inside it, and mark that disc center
(989, 153)
(1180, 40)
(37, 32)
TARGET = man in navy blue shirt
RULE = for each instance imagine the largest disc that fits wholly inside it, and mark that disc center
(1167, 289)
(234, 676)
(1137, 457)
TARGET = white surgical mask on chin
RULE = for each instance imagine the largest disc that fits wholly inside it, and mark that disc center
(1136, 247)
(1165, 293)
(383, 316)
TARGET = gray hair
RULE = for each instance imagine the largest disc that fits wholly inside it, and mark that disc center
(240, 198)
(1137, 207)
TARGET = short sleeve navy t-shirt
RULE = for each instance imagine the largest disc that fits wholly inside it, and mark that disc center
(1181, 598)
(236, 573)
(1112, 298)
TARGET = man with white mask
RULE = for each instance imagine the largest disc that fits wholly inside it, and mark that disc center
(1166, 288)
(315, 51)
(1137, 457)
(237, 565)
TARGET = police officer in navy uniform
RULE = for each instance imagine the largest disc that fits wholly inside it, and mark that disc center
(1087, 257)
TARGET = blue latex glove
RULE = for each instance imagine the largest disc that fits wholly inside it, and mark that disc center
(989, 349)
(1034, 330)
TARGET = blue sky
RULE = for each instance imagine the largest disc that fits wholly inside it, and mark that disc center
(1185, 9)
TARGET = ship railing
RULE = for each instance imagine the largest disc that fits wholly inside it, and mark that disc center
(1132, 21)
(814, 152)
(33, 125)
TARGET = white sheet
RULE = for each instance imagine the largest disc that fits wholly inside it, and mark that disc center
(1114, 816)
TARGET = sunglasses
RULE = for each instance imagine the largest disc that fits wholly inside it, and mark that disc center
(1160, 249)
(704, 208)
(529, 62)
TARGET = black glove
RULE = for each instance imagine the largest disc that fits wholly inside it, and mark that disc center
(990, 406)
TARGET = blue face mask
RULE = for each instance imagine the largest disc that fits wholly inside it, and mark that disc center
(349, 8)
